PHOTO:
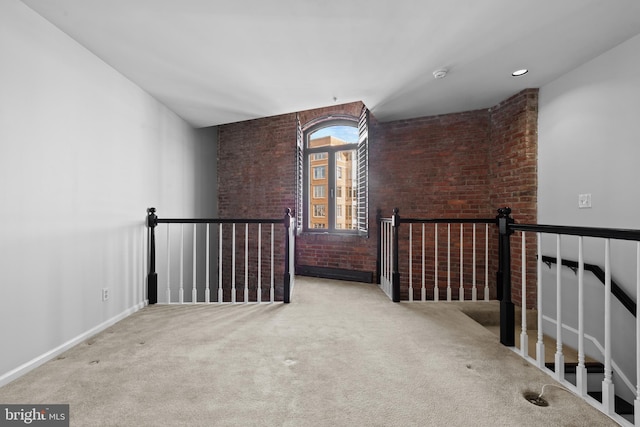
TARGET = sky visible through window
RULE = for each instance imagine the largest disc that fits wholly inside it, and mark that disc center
(349, 134)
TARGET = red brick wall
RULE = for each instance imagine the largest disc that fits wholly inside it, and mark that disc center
(514, 163)
(433, 167)
(459, 165)
(257, 167)
(256, 179)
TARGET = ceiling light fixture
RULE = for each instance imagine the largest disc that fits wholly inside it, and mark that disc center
(519, 73)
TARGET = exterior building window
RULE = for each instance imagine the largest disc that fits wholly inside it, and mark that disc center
(319, 191)
(319, 172)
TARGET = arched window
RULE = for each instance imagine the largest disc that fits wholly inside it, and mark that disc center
(332, 175)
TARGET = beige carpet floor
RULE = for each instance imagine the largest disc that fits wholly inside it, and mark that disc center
(341, 354)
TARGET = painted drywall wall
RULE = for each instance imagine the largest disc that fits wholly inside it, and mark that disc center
(589, 143)
(83, 153)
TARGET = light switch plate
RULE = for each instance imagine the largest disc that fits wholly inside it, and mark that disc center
(584, 201)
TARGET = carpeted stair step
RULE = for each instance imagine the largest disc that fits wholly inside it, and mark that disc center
(622, 407)
(571, 367)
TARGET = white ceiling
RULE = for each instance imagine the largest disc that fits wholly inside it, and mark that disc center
(215, 62)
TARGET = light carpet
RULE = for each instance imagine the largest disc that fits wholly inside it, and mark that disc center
(340, 354)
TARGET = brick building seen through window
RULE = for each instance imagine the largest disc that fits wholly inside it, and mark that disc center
(332, 162)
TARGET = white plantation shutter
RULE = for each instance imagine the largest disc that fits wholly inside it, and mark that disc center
(363, 172)
(299, 174)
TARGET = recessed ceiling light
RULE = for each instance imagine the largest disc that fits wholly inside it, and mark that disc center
(519, 73)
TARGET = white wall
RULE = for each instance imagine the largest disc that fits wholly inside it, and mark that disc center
(589, 142)
(83, 153)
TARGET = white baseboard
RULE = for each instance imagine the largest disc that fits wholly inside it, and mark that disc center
(40, 360)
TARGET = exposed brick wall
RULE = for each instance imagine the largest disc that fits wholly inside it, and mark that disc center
(459, 165)
(257, 167)
(434, 167)
(514, 154)
(431, 167)
(514, 173)
(256, 179)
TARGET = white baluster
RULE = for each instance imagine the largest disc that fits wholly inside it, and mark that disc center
(540, 342)
(486, 262)
(259, 295)
(382, 256)
(474, 290)
(292, 256)
(608, 394)
(388, 258)
(636, 403)
(207, 290)
(271, 291)
(436, 291)
(181, 290)
(233, 263)
(581, 370)
(194, 292)
(559, 357)
(220, 295)
(423, 295)
(390, 248)
(410, 262)
(246, 263)
(168, 264)
(524, 339)
(448, 262)
(461, 292)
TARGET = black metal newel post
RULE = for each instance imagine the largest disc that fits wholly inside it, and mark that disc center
(152, 278)
(507, 309)
(395, 274)
(287, 273)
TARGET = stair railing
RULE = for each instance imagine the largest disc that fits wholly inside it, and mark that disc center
(399, 286)
(228, 265)
(608, 400)
(421, 259)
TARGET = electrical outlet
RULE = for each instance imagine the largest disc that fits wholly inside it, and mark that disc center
(584, 201)
(105, 294)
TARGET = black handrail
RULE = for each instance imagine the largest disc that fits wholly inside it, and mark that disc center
(616, 290)
(607, 233)
(448, 220)
(217, 221)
